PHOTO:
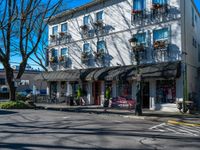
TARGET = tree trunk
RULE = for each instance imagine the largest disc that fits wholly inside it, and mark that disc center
(11, 83)
(12, 92)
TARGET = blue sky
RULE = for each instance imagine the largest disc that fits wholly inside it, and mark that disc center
(73, 4)
(198, 4)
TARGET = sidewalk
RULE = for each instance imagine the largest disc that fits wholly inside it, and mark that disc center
(147, 114)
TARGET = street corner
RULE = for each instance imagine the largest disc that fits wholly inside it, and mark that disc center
(184, 123)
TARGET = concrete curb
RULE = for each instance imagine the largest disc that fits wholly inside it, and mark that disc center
(174, 122)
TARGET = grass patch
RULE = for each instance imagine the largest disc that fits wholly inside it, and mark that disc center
(14, 105)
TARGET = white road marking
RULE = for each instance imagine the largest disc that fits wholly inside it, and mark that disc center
(177, 129)
(66, 117)
(154, 127)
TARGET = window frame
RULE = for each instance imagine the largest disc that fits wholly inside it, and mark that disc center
(104, 48)
(66, 52)
(89, 48)
(66, 27)
(53, 32)
(161, 39)
(88, 20)
(102, 15)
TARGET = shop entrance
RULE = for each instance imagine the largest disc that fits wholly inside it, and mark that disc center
(96, 91)
(145, 95)
(53, 89)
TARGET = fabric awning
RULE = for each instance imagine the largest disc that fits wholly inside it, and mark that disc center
(158, 70)
(68, 75)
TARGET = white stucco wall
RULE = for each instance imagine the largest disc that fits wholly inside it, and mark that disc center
(118, 17)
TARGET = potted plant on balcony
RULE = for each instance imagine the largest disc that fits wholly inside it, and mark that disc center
(156, 44)
(99, 54)
(84, 56)
(157, 6)
(133, 12)
(61, 58)
(53, 36)
(52, 59)
(62, 34)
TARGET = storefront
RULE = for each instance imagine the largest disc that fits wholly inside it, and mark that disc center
(159, 83)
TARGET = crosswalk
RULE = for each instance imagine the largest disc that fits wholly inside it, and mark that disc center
(176, 129)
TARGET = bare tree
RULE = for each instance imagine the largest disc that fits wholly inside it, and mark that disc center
(21, 21)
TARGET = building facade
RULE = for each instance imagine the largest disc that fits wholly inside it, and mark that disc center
(89, 48)
(24, 85)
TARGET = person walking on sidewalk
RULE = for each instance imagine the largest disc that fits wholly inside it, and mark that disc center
(107, 101)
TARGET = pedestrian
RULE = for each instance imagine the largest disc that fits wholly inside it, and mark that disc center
(107, 101)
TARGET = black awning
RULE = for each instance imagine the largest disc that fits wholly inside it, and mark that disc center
(68, 75)
(91, 74)
(158, 70)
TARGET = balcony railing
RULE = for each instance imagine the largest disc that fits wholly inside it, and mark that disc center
(62, 38)
(137, 16)
(142, 49)
(85, 56)
(161, 50)
(100, 55)
(159, 10)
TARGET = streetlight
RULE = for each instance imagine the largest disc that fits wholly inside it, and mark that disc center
(136, 50)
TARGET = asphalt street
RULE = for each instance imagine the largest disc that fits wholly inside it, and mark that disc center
(44, 129)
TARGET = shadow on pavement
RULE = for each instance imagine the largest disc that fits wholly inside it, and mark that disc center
(6, 112)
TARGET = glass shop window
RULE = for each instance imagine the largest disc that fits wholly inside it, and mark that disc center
(165, 91)
(124, 89)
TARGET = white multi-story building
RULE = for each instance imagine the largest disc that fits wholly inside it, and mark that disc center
(89, 47)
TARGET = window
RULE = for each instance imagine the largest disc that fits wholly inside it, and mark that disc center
(199, 52)
(2, 81)
(124, 89)
(86, 48)
(64, 52)
(165, 91)
(99, 16)
(161, 34)
(192, 16)
(55, 30)
(64, 27)
(86, 20)
(55, 55)
(141, 37)
(101, 46)
(160, 2)
(138, 4)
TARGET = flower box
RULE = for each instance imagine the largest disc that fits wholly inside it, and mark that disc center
(136, 12)
(158, 6)
(52, 59)
(62, 33)
(53, 36)
(61, 58)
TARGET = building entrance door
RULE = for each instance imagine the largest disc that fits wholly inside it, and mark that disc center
(53, 89)
(96, 91)
(145, 95)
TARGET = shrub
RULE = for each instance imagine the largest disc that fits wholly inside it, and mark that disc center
(14, 105)
(20, 97)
